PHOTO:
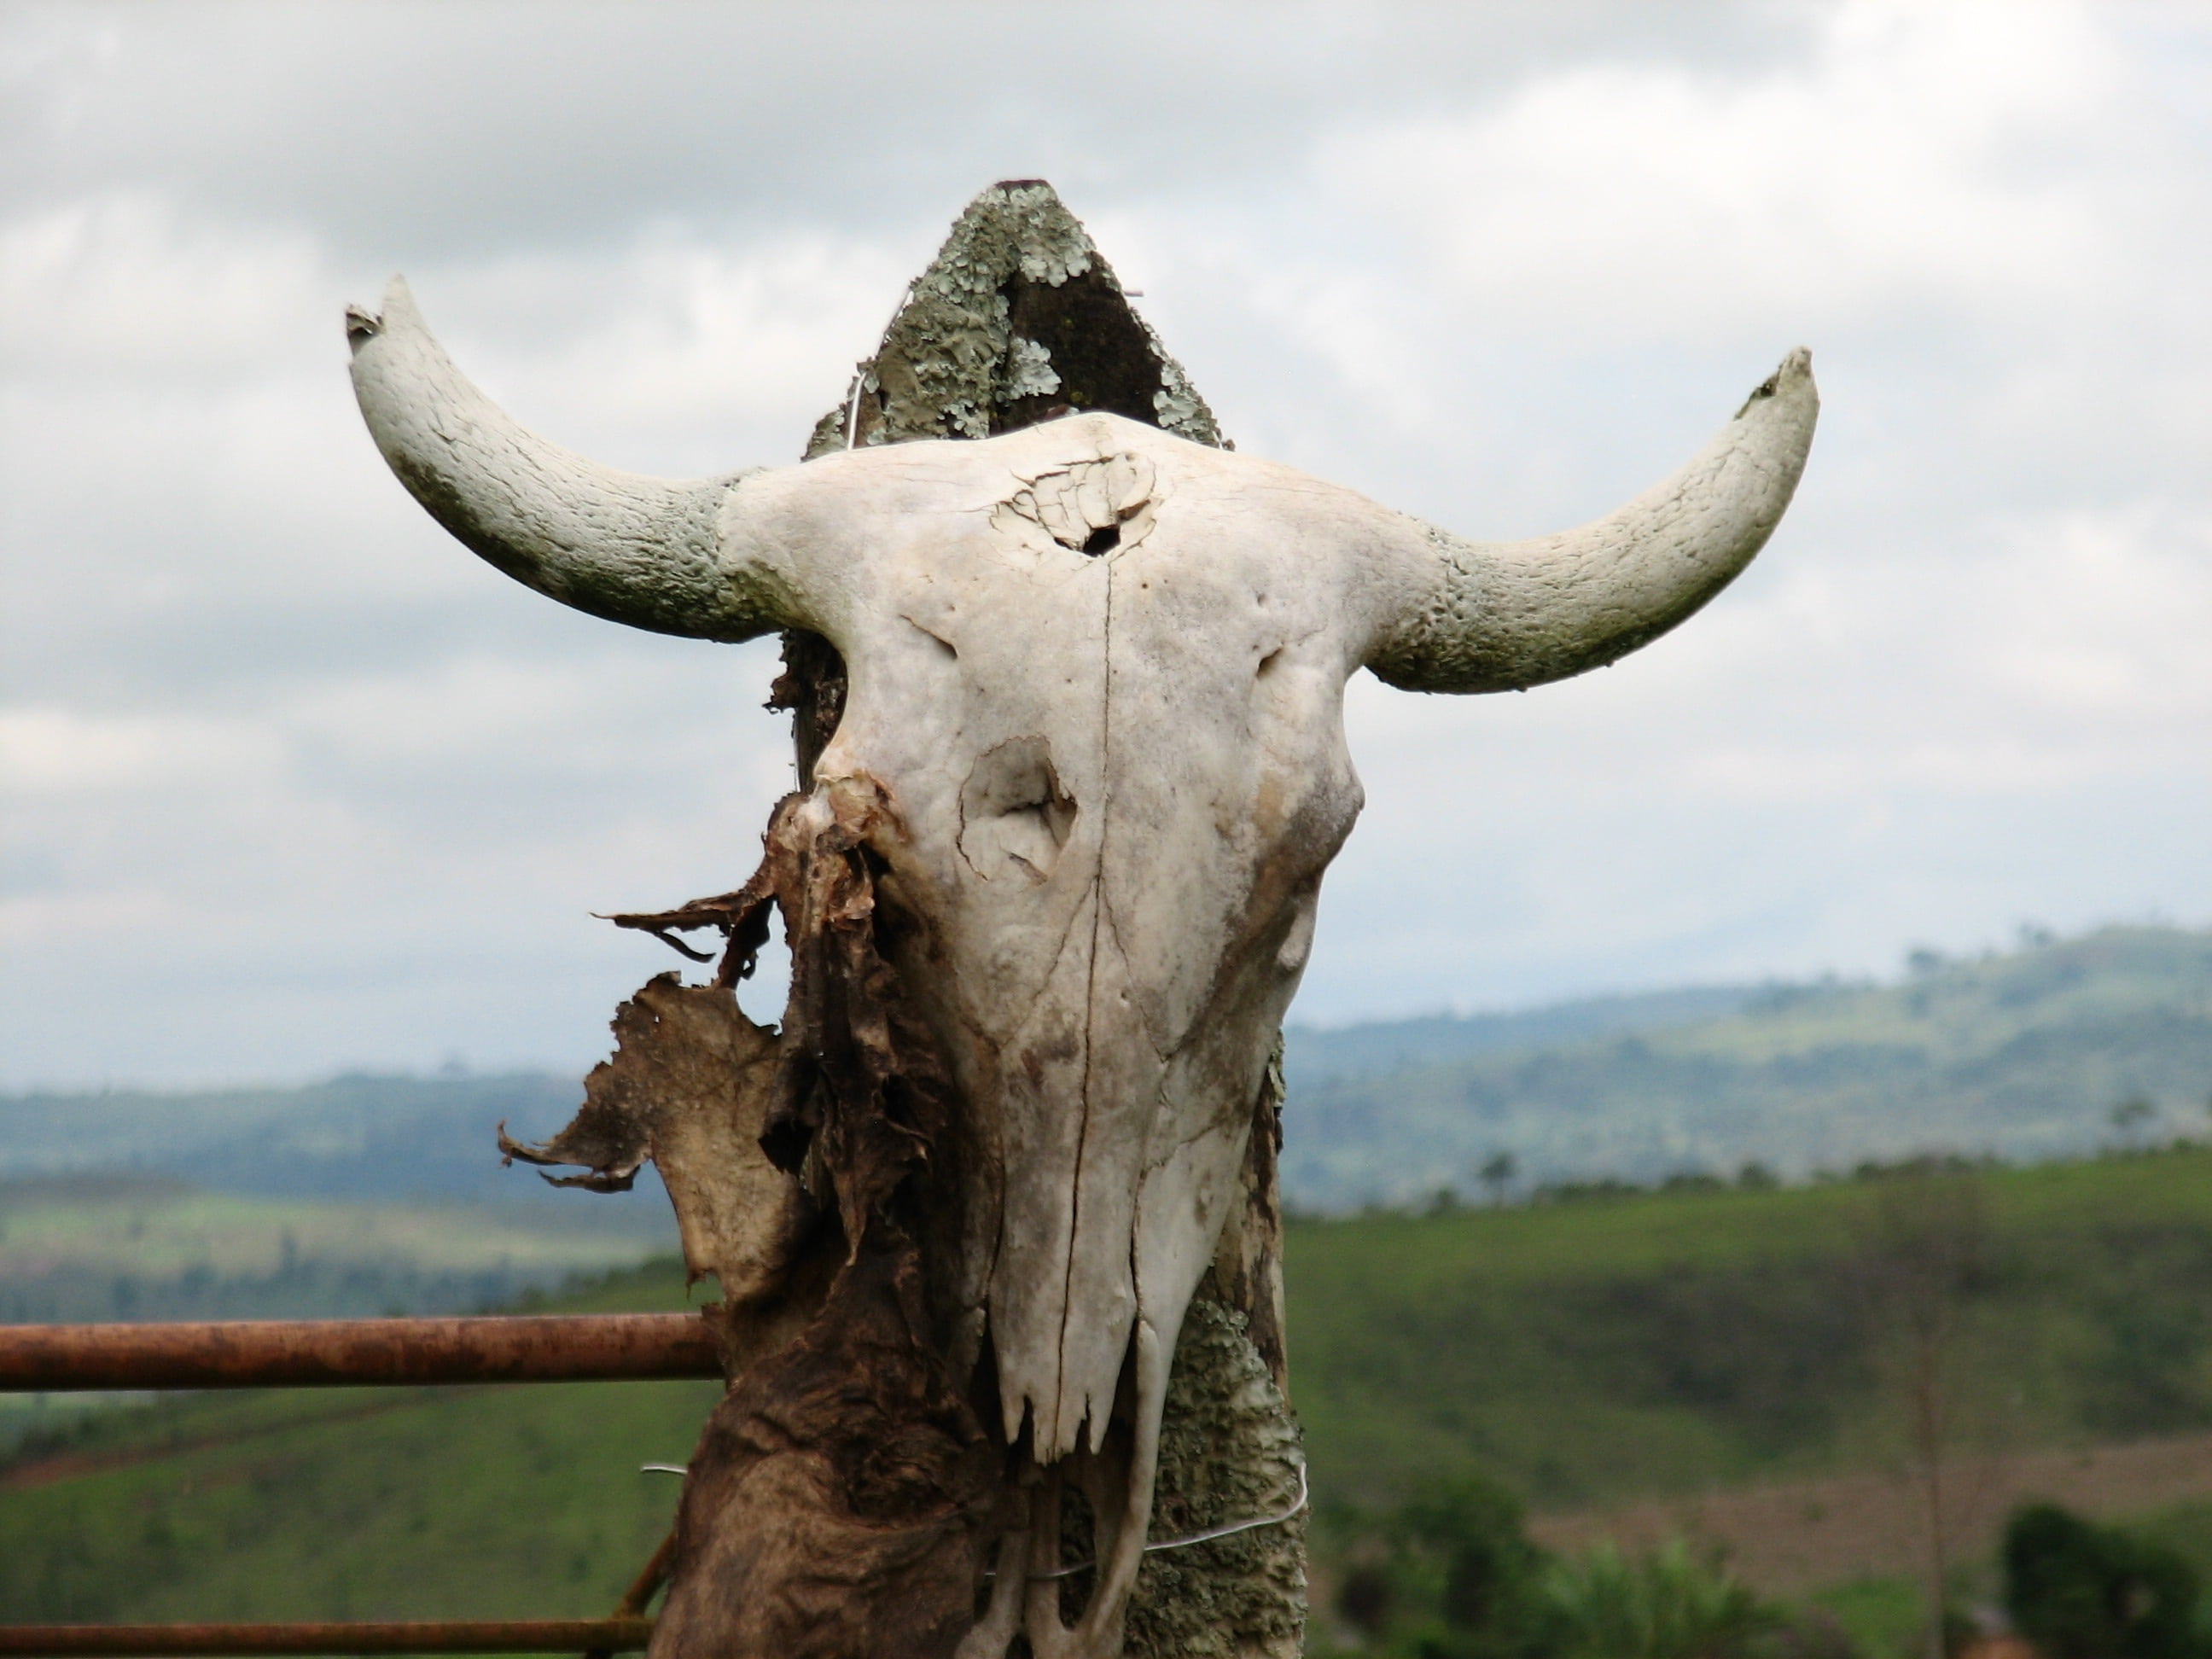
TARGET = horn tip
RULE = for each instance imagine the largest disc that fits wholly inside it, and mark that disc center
(1792, 378)
(362, 324)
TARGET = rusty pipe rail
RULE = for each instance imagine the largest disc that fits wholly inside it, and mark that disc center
(618, 1635)
(297, 1353)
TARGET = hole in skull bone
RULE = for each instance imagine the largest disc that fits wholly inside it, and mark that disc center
(1014, 818)
(1090, 506)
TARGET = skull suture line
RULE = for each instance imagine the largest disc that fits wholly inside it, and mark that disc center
(1094, 724)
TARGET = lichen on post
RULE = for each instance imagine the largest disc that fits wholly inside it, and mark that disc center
(1019, 319)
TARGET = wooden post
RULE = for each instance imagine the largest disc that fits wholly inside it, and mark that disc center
(1017, 273)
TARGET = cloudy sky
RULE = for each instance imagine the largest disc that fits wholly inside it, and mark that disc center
(293, 784)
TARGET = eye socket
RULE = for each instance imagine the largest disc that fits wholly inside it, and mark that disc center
(1104, 540)
(1765, 388)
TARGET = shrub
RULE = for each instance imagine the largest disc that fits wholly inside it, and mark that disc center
(1463, 1580)
(2079, 1591)
(1666, 1605)
(1462, 1549)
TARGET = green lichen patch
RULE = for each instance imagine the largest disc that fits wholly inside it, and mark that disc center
(1019, 319)
(1230, 1451)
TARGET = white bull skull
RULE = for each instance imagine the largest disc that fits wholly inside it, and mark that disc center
(1095, 674)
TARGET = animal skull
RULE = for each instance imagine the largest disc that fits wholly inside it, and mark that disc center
(1096, 677)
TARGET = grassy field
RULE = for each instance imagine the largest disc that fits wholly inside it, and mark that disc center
(1593, 1354)
(1597, 1351)
(153, 1230)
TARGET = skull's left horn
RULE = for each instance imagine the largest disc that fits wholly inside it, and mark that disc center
(1499, 616)
(649, 552)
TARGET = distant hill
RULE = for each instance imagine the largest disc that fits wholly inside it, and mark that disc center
(1314, 1056)
(357, 1137)
(2023, 1054)
(119, 1246)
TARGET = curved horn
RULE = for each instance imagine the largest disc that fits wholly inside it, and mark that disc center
(1498, 616)
(644, 551)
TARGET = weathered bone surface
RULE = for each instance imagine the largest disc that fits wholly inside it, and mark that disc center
(1091, 747)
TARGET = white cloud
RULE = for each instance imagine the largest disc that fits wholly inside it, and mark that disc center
(123, 282)
(59, 752)
(294, 782)
(1958, 158)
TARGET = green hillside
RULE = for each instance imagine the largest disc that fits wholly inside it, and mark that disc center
(354, 1137)
(521, 1501)
(1593, 1350)
(2023, 1054)
(1582, 1352)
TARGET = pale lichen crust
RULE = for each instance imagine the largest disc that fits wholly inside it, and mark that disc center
(1018, 319)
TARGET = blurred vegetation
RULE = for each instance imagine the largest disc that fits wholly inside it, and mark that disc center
(1452, 1574)
(2077, 1590)
(1596, 1348)
(127, 1246)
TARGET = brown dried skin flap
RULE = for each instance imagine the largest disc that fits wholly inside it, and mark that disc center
(690, 1086)
(839, 1497)
(839, 1500)
(862, 1097)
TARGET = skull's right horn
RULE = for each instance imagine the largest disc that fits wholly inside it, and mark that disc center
(654, 553)
(1500, 616)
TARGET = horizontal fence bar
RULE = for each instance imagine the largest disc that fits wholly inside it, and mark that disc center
(412, 1636)
(305, 1353)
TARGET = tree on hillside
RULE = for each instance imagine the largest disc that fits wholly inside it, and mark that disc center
(1461, 1547)
(1921, 1257)
(1497, 1176)
(2132, 1117)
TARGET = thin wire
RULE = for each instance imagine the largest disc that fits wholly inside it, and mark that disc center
(1212, 1533)
(1184, 1543)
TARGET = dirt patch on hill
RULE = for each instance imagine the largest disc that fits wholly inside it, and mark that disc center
(51, 1468)
(1800, 1536)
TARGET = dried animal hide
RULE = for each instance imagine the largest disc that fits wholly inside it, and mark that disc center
(838, 1498)
(861, 1097)
(836, 1503)
(689, 1087)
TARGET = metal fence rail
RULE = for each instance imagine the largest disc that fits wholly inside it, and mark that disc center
(294, 1353)
(586, 1636)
